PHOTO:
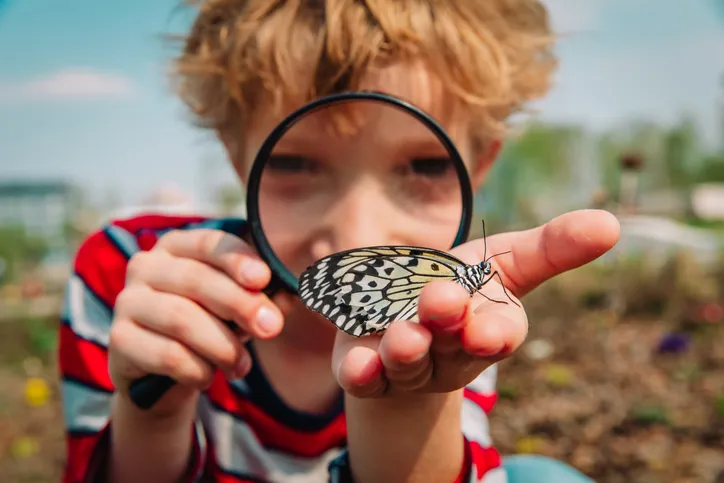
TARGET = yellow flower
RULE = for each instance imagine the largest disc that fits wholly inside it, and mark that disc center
(559, 375)
(24, 447)
(36, 391)
(529, 445)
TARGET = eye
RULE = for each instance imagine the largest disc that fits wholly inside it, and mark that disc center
(430, 167)
(291, 163)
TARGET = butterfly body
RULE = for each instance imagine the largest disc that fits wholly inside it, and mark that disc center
(472, 277)
(363, 290)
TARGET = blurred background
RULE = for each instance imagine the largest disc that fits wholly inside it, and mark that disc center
(622, 375)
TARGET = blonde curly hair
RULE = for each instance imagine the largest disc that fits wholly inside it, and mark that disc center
(492, 56)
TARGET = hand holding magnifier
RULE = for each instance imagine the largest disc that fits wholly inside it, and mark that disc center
(343, 173)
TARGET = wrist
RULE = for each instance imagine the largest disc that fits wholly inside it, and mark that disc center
(149, 445)
(165, 416)
(406, 438)
(408, 402)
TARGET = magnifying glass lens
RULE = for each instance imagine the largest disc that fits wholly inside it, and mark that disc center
(357, 174)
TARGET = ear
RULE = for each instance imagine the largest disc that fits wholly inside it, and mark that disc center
(484, 163)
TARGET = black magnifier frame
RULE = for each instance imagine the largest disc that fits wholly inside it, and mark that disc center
(283, 278)
(146, 390)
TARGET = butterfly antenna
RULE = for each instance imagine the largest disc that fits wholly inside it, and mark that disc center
(485, 241)
(497, 254)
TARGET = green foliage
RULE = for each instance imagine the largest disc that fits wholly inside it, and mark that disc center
(720, 405)
(42, 337)
(537, 173)
(711, 169)
(649, 414)
(229, 198)
(19, 249)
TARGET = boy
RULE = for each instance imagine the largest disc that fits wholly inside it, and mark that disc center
(293, 399)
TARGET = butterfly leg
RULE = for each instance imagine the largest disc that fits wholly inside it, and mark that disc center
(492, 300)
(495, 273)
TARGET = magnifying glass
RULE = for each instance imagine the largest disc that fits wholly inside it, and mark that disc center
(346, 172)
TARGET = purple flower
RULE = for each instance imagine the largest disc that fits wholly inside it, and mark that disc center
(674, 343)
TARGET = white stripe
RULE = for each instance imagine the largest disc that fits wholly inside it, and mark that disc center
(239, 451)
(496, 475)
(475, 424)
(88, 316)
(125, 241)
(485, 383)
(201, 439)
(84, 408)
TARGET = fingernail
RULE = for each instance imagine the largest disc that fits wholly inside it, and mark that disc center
(268, 321)
(252, 271)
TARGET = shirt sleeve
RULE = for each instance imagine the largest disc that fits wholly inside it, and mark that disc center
(97, 276)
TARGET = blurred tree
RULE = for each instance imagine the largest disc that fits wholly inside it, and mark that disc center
(19, 250)
(711, 169)
(681, 154)
(526, 180)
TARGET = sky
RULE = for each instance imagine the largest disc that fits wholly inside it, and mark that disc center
(83, 95)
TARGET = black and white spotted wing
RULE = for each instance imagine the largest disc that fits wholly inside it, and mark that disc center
(363, 290)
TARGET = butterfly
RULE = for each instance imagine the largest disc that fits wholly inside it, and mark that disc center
(363, 290)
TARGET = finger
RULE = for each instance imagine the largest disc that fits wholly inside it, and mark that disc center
(226, 252)
(184, 321)
(152, 353)
(252, 311)
(444, 308)
(564, 243)
(496, 330)
(405, 354)
(357, 365)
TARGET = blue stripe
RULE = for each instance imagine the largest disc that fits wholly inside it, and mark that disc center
(85, 409)
(122, 239)
(87, 286)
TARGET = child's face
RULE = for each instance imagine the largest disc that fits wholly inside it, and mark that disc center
(388, 181)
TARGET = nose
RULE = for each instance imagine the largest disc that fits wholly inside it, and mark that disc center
(361, 217)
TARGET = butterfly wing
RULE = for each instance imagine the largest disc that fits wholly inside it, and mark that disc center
(363, 290)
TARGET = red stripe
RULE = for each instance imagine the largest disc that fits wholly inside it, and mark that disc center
(102, 266)
(466, 468)
(146, 240)
(271, 433)
(156, 222)
(80, 453)
(485, 401)
(196, 457)
(221, 477)
(82, 360)
(484, 459)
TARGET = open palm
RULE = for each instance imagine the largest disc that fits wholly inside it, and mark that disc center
(458, 336)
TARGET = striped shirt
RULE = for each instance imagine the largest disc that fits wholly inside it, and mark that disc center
(243, 431)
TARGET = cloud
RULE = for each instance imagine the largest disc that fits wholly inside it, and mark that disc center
(70, 83)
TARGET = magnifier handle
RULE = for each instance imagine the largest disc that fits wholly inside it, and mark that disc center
(147, 390)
